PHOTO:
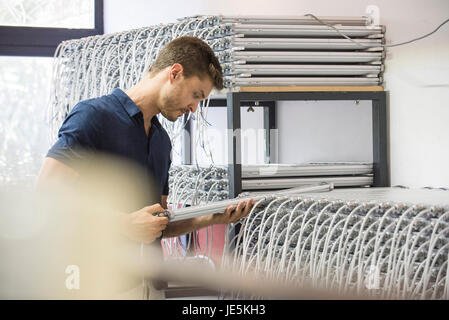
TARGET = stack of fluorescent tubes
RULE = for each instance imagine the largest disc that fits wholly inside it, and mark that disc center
(276, 51)
(279, 176)
(385, 242)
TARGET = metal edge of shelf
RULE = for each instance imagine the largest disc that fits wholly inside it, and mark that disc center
(310, 88)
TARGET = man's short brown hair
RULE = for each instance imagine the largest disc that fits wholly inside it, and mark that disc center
(195, 56)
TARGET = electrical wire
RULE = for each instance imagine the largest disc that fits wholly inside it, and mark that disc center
(339, 245)
(380, 45)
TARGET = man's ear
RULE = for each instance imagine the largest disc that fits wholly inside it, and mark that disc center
(176, 72)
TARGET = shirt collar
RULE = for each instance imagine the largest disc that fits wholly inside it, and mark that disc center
(155, 121)
(131, 108)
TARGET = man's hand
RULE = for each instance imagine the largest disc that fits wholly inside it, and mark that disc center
(234, 213)
(142, 225)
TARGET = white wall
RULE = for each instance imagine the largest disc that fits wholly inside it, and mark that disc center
(253, 137)
(417, 75)
(312, 131)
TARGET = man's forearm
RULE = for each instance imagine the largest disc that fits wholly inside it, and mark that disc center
(55, 171)
(178, 228)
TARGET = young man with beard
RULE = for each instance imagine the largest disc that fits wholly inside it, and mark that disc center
(124, 124)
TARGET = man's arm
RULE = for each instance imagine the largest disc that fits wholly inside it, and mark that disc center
(141, 226)
(52, 170)
(231, 214)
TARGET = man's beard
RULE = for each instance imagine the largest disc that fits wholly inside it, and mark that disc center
(169, 117)
(167, 103)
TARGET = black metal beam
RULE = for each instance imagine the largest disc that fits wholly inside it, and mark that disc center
(217, 102)
(380, 150)
(269, 125)
(234, 145)
(99, 16)
(309, 95)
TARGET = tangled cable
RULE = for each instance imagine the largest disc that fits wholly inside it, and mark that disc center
(190, 186)
(386, 249)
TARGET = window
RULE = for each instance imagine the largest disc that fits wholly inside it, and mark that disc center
(24, 97)
(30, 31)
(36, 27)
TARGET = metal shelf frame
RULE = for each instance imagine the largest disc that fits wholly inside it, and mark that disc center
(234, 100)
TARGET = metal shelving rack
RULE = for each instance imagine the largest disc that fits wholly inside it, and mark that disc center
(255, 97)
(234, 101)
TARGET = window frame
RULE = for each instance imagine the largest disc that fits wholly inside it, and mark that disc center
(42, 42)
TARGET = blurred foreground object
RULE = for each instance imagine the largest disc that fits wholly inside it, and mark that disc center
(64, 243)
(61, 242)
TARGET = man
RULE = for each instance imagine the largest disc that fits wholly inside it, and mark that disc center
(125, 124)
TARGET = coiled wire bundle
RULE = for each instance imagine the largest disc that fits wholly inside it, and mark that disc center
(93, 66)
(385, 249)
(191, 185)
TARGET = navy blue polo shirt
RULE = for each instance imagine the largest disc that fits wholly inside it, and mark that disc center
(113, 124)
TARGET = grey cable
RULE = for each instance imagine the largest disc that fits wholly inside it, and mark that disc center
(381, 45)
